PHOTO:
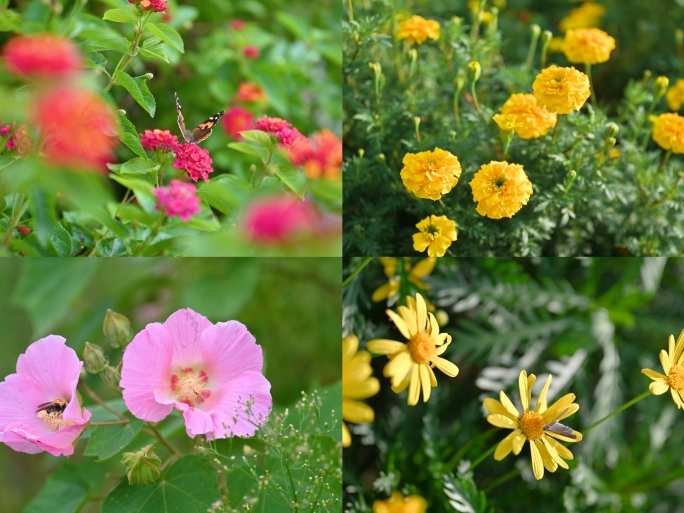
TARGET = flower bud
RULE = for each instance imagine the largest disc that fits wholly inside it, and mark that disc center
(610, 142)
(573, 174)
(380, 158)
(142, 467)
(94, 359)
(612, 129)
(647, 75)
(111, 376)
(456, 21)
(122, 112)
(252, 168)
(442, 318)
(148, 76)
(535, 30)
(117, 329)
(546, 37)
(474, 71)
(660, 88)
(460, 80)
(362, 152)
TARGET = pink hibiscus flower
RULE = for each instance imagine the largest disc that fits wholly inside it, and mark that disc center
(47, 373)
(211, 373)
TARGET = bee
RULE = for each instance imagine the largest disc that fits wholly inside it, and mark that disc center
(55, 406)
(560, 429)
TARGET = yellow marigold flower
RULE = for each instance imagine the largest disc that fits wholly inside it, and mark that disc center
(357, 383)
(673, 365)
(588, 46)
(397, 503)
(614, 153)
(556, 45)
(539, 426)
(675, 95)
(415, 276)
(430, 174)
(561, 90)
(436, 234)
(668, 132)
(501, 189)
(417, 30)
(588, 15)
(411, 364)
(525, 117)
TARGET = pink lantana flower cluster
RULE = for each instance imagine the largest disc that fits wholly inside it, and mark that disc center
(159, 139)
(151, 5)
(279, 219)
(178, 199)
(320, 157)
(20, 140)
(279, 128)
(237, 120)
(194, 160)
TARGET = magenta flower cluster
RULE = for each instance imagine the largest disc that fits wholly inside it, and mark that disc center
(159, 139)
(279, 128)
(178, 199)
(194, 160)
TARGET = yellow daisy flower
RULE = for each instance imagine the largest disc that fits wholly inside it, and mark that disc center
(668, 132)
(417, 30)
(588, 46)
(675, 95)
(539, 426)
(357, 383)
(673, 365)
(415, 276)
(501, 189)
(397, 503)
(436, 235)
(411, 364)
(561, 90)
(430, 174)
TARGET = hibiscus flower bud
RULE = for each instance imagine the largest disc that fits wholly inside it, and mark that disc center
(117, 329)
(94, 358)
(142, 467)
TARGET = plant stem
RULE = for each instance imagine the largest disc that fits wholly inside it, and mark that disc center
(18, 209)
(623, 407)
(473, 93)
(587, 68)
(555, 128)
(351, 11)
(662, 164)
(532, 50)
(163, 440)
(476, 22)
(482, 458)
(501, 480)
(363, 264)
(139, 30)
(116, 423)
(266, 163)
(97, 399)
(670, 193)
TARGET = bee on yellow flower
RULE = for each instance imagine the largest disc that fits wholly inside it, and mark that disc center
(672, 361)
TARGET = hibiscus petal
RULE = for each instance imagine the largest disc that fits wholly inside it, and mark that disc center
(228, 349)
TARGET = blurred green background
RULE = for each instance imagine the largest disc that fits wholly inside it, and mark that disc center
(291, 305)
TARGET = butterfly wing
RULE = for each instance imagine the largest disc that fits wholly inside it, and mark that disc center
(181, 119)
(203, 131)
(560, 429)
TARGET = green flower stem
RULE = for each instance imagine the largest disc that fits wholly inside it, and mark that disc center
(116, 423)
(662, 164)
(482, 458)
(457, 111)
(473, 93)
(532, 50)
(621, 408)
(139, 30)
(476, 22)
(163, 440)
(501, 480)
(555, 128)
(266, 163)
(587, 68)
(351, 10)
(670, 193)
(18, 209)
(363, 264)
(458, 456)
(99, 401)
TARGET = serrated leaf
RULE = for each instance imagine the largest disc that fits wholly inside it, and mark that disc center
(95, 60)
(258, 137)
(154, 48)
(167, 34)
(138, 166)
(290, 176)
(106, 441)
(225, 193)
(141, 189)
(250, 148)
(190, 486)
(111, 247)
(10, 21)
(121, 16)
(128, 213)
(65, 491)
(59, 241)
(138, 90)
(129, 136)
(96, 39)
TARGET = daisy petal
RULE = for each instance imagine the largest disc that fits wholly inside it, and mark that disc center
(508, 404)
(557, 408)
(433, 378)
(495, 406)
(398, 367)
(346, 436)
(549, 463)
(665, 361)
(541, 401)
(399, 323)
(577, 434)
(385, 346)
(562, 451)
(357, 412)
(414, 388)
(506, 445)
(518, 443)
(553, 452)
(675, 397)
(421, 313)
(537, 463)
(409, 316)
(678, 357)
(654, 375)
(445, 366)
(501, 421)
(524, 392)
(659, 387)
(425, 381)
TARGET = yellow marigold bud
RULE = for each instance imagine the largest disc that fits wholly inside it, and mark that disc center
(430, 174)
(561, 90)
(660, 87)
(588, 46)
(675, 95)
(668, 132)
(612, 129)
(610, 142)
(417, 30)
(531, 120)
(501, 189)
(474, 71)
(535, 29)
(436, 234)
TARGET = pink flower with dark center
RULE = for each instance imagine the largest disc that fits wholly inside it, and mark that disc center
(178, 199)
(41, 55)
(211, 373)
(237, 24)
(237, 120)
(39, 410)
(319, 157)
(194, 160)
(249, 92)
(280, 129)
(251, 52)
(279, 219)
(162, 139)
(151, 5)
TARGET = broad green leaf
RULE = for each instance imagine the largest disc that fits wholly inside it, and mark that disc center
(225, 192)
(204, 225)
(111, 247)
(147, 94)
(258, 137)
(10, 21)
(42, 207)
(138, 166)
(59, 241)
(106, 219)
(48, 296)
(95, 60)
(128, 213)
(141, 95)
(106, 441)
(97, 39)
(250, 148)
(129, 136)
(24, 246)
(290, 176)
(65, 491)
(167, 34)
(128, 15)
(141, 189)
(189, 486)
(330, 190)
(155, 48)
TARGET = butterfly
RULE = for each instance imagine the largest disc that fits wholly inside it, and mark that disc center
(200, 133)
(560, 429)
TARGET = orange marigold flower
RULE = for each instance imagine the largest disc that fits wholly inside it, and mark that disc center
(587, 15)
(675, 95)
(430, 174)
(320, 157)
(561, 90)
(668, 132)
(417, 30)
(501, 189)
(588, 46)
(41, 55)
(436, 234)
(525, 117)
(397, 503)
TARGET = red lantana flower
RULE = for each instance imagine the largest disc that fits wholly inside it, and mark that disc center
(279, 219)
(237, 24)
(237, 120)
(159, 139)
(319, 157)
(178, 199)
(78, 126)
(20, 140)
(41, 55)
(151, 5)
(280, 129)
(251, 52)
(194, 160)
(249, 92)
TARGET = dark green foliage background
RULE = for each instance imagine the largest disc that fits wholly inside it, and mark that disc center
(292, 307)
(632, 462)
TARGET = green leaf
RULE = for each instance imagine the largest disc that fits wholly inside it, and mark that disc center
(128, 15)
(59, 241)
(290, 176)
(204, 225)
(106, 219)
(141, 94)
(225, 193)
(129, 136)
(128, 213)
(10, 21)
(258, 137)
(189, 486)
(65, 491)
(95, 60)
(111, 247)
(167, 34)
(250, 148)
(97, 39)
(155, 48)
(48, 296)
(141, 189)
(138, 166)
(106, 441)
(42, 207)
